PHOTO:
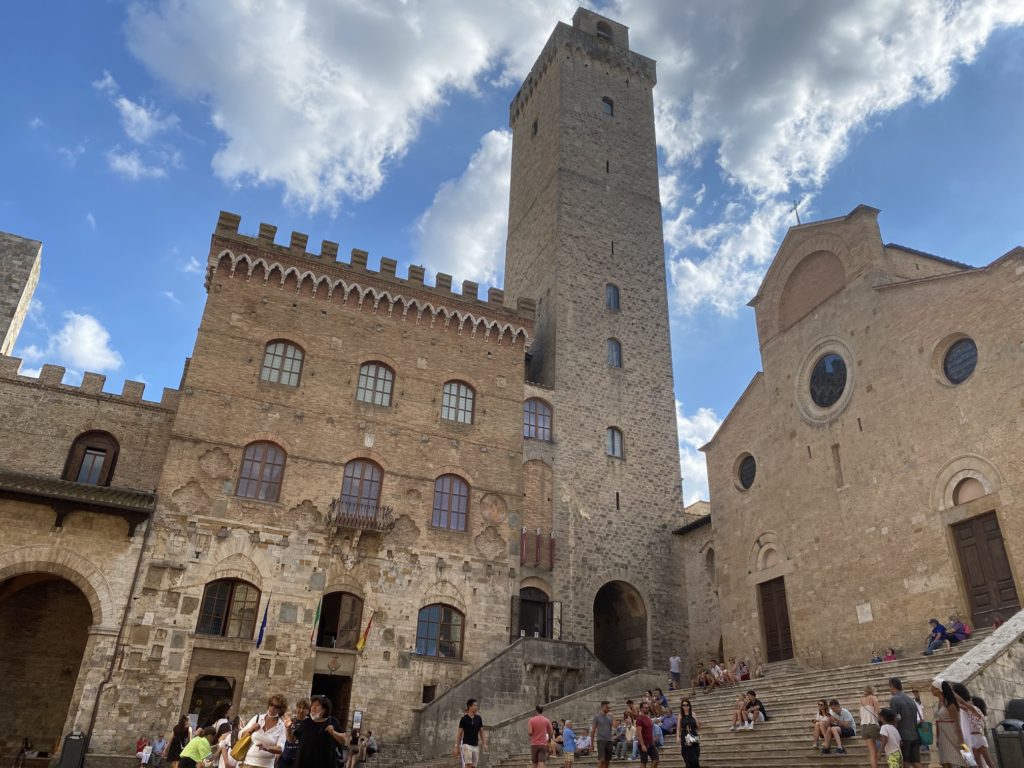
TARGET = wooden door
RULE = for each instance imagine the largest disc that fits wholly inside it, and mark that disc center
(778, 639)
(985, 568)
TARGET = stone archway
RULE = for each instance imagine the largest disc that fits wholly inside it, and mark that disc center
(620, 627)
(44, 632)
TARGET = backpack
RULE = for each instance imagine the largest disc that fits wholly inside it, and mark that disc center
(967, 630)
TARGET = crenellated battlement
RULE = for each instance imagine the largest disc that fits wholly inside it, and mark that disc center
(52, 377)
(323, 275)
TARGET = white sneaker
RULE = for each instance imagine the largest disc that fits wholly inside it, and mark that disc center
(749, 726)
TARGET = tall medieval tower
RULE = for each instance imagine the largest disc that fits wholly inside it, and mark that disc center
(585, 240)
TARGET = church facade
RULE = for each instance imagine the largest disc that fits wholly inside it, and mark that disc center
(869, 478)
(365, 477)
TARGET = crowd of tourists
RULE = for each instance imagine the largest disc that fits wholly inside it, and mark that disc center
(309, 737)
(899, 733)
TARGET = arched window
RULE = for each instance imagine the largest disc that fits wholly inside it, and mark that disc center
(282, 363)
(451, 503)
(360, 490)
(611, 297)
(614, 442)
(92, 458)
(608, 106)
(536, 420)
(604, 30)
(376, 381)
(457, 402)
(262, 472)
(341, 616)
(439, 631)
(614, 353)
(229, 609)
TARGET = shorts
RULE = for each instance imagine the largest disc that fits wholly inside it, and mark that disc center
(911, 750)
(978, 741)
(676, 677)
(894, 760)
(870, 730)
(470, 754)
(570, 757)
(605, 750)
(538, 753)
(845, 732)
(650, 754)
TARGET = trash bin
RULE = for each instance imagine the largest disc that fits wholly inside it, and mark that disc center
(1008, 736)
(72, 755)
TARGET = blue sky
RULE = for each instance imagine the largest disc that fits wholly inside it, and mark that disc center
(128, 126)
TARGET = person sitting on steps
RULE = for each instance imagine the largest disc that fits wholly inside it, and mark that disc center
(841, 726)
(820, 723)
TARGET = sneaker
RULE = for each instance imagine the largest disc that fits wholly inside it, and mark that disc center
(825, 751)
(749, 727)
(840, 750)
(732, 727)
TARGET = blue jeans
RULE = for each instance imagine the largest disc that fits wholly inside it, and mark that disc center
(934, 645)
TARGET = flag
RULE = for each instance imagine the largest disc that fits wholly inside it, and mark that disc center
(366, 633)
(263, 624)
(316, 622)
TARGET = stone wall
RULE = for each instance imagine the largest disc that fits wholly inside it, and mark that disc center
(20, 259)
(508, 737)
(694, 554)
(994, 668)
(529, 672)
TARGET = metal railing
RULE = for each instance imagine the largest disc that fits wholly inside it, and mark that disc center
(360, 517)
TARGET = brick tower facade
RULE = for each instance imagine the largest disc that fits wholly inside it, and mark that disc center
(585, 240)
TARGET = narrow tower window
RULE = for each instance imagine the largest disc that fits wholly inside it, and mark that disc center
(613, 442)
(608, 106)
(611, 297)
(534, 129)
(614, 353)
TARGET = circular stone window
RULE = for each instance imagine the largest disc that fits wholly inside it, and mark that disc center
(828, 380)
(746, 471)
(960, 361)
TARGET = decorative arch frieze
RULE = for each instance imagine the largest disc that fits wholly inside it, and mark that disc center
(276, 274)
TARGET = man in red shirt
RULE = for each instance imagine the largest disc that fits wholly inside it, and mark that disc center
(645, 736)
(540, 730)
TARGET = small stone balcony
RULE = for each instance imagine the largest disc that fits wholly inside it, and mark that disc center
(365, 518)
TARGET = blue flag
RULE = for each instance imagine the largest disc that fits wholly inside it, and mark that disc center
(263, 624)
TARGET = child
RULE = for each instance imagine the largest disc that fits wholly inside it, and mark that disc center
(890, 654)
(891, 737)
(875, 658)
(976, 739)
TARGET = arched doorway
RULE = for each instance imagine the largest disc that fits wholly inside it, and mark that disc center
(207, 692)
(620, 627)
(44, 628)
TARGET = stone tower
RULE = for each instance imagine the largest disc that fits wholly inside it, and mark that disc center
(585, 240)
(19, 273)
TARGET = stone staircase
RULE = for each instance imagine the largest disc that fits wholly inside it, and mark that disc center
(789, 696)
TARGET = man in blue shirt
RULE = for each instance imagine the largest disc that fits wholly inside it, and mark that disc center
(936, 638)
(568, 744)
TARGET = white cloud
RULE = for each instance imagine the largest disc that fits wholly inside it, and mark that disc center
(131, 165)
(29, 371)
(81, 344)
(106, 84)
(91, 220)
(193, 266)
(322, 99)
(71, 154)
(36, 122)
(170, 296)
(463, 232)
(142, 121)
(694, 431)
(773, 94)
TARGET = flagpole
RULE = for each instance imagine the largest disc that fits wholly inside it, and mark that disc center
(263, 624)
